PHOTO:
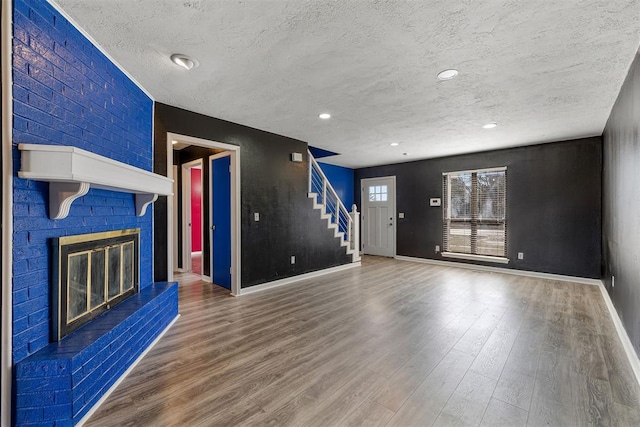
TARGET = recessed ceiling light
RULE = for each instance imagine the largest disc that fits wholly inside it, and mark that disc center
(447, 74)
(184, 61)
(490, 125)
(394, 144)
(325, 116)
(174, 142)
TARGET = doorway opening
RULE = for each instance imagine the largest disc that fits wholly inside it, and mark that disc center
(378, 215)
(216, 256)
(192, 219)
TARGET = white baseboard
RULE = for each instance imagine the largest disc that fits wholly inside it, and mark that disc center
(289, 280)
(206, 279)
(622, 333)
(574, 279)
(196, 253)
(95, 407)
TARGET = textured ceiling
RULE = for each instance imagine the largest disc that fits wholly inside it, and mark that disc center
(544, 70)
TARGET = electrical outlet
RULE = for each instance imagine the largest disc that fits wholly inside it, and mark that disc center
(437, 248)
(293, 259)
(613, 281)
(520, 255)
(256, 216)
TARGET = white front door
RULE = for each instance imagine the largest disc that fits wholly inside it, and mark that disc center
(379, 216)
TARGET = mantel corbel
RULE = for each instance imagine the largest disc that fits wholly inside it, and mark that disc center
(71, 172)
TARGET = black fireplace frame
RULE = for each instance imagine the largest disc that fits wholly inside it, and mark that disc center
(69, 245)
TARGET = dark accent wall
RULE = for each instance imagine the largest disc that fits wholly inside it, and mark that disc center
(621, 204)
(271, 184)
(553, 204)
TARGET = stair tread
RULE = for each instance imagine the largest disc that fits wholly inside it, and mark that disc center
(332, 225)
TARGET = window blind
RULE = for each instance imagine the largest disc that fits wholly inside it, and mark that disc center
(475, 212)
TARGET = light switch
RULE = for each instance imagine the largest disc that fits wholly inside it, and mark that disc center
(256, 216)
(400, 215)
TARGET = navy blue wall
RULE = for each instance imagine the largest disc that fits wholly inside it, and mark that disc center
(68, 93)
(318, 153)
(342, 181)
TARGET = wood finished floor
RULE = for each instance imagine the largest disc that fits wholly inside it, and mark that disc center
(392, 343)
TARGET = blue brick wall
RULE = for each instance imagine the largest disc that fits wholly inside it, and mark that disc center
(59, 384)
(66, 92)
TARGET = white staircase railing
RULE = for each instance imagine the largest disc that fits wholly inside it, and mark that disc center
(348, 223)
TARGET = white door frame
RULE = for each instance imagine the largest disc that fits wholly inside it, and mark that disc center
(363, 182)
(213, 157)
(175, 223)
(186, 214)
(236, 243)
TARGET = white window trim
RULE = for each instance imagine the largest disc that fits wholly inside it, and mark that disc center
(472, 257)
(498, 169)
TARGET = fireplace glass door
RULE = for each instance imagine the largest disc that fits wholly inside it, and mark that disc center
(95, 272)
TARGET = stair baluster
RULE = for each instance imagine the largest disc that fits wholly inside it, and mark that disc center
(327, 200)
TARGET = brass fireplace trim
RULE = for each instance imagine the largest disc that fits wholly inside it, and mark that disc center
(81, 238)
(67, 246)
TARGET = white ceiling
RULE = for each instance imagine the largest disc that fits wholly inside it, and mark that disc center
(544, 70)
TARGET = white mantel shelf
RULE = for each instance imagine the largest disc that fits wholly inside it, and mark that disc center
(71, 171)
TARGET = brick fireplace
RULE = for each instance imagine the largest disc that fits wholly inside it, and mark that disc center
(68, 94)
(92, 273)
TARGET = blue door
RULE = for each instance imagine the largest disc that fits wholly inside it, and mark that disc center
(221, 221)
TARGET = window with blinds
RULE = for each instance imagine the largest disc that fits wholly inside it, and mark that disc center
(475, 221)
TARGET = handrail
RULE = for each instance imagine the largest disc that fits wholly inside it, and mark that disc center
(330, 201)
